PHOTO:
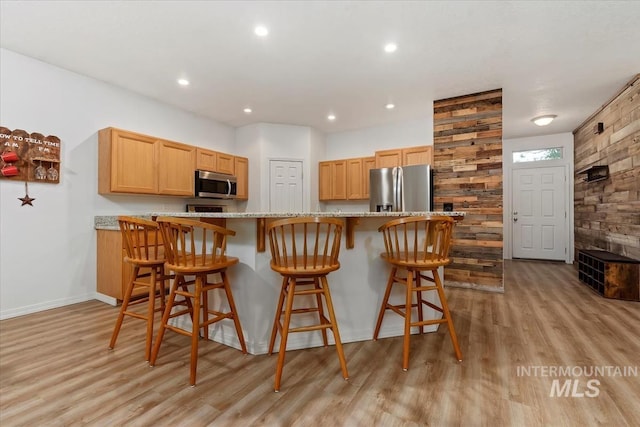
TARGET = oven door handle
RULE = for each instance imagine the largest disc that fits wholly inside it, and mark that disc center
(229, 188)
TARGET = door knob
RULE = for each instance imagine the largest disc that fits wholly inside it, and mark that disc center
(515, 219)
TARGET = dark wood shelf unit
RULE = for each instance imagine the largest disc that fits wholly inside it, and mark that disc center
(609, 274)
(596, 173)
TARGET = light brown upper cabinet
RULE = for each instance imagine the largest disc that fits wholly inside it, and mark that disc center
(225, 163)
(129, 162)
(368, 163)
(241, 166)
(355, 184)
(213, 161)
(175, 168)
(421, 155)
(333, 180)
(388, 158)
(346, 179)
(205, 160)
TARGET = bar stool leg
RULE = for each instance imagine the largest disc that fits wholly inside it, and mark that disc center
(123, 307)
(407, 321)
(276, 321)
(284, 333)
(321, 316)
(232, 307)
(165, 319)
(385, 302)
(150, 314)
(447, 315)
(334, 327)
(419, 301)
(195, 331)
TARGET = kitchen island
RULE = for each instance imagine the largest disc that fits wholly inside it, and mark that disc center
(357, 287)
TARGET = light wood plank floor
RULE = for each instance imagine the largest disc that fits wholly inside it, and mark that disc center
(55, 368)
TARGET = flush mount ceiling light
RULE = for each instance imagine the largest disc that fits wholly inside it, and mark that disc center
(183, 82)
(390, 106)
(544, 120)
(261, 31)
(331, 117)
(247, 110)
(390, 47)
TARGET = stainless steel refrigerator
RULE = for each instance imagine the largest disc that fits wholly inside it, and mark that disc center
(401, 189)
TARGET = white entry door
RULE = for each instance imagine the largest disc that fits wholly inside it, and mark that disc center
(538, 215)
(285, 189)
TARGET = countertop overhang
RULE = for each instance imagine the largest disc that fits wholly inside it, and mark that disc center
(351, 219)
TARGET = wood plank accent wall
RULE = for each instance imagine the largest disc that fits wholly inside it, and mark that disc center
(607, 213)
(467, 140)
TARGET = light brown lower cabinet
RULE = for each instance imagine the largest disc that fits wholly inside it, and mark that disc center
(113, 273)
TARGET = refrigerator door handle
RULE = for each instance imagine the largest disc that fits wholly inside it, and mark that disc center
(398, 189)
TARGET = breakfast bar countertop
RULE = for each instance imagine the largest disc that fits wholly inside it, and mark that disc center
(110, 222)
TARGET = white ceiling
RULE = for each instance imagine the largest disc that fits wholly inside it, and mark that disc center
(563, 57)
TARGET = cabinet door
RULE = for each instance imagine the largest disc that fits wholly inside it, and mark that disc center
(422, 155)
(127, 162)
(225, 163)
(388, 158)
(368, 163)
(176, 166)
(354, 179)
(339, 180)
(241, 165)
(324, 192)
(205, 160)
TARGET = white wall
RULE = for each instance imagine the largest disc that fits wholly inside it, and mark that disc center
(365, 142)
(48, 251)
(268, 141)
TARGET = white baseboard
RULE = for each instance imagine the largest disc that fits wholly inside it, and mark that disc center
(34, 308)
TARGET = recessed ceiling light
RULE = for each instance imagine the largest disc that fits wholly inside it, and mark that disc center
(390, 106)
(331, 117)
(261, 31)
(183, 82)
(543, 120)
(247, 110)
(390, 47)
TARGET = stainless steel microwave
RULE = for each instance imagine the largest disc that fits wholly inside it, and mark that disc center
(213, 185)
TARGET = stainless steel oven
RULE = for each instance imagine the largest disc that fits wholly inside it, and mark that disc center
(206, 208)
(215, 185)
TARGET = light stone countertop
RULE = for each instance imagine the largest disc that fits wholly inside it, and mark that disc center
(110, 222)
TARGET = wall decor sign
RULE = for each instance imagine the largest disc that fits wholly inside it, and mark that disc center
(28, 156)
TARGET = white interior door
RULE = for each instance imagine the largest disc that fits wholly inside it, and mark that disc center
(285, 189)
(539, 215)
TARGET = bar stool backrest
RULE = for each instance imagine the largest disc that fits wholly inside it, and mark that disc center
(305, 245)
(418, 240)
(192, 243)
(141, 239)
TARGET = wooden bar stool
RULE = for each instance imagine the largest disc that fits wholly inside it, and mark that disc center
(304, 251)
(198, 249)
(417, 245)
(144, 251)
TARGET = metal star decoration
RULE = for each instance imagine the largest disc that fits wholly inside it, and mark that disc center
(26, 200)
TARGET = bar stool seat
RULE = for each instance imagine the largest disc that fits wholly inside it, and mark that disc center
(144, 250)
(198, 249)
(417, 245)
(304, 251)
